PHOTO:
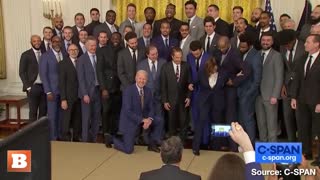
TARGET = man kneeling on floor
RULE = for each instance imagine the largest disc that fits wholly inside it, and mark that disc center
(137, 114)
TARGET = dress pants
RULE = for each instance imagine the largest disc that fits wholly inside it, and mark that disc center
(111, 108)
(72, 116)
(267, 119)
(54, 116)
(289, 119)
(37, 100)
(177, 120)
(91, 115)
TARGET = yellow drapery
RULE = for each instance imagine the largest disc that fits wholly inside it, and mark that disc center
(225, 7)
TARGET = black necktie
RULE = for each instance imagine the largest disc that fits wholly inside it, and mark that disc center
(153, 71)
(177, 73)
(134, 57)
(208, 44)
(189, 20)
(308, 66)
(197, 64)
(48, 46)
(262, 58)
(166, 43)
(290, 57)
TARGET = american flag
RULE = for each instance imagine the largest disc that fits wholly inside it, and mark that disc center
(269, 9)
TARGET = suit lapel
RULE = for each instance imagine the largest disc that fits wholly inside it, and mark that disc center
(315, 64)
(268, 57)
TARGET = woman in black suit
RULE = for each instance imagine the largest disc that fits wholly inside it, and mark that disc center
(210, 99)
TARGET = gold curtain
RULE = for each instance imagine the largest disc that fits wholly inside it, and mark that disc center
(2, 47)
(225, 7)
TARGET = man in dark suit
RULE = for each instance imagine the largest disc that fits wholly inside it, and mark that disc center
(128, 59)
(241, 27)
(89, 91)
(249, 88)
(153, 65)
(58, 26)
(102, 39)
(95, 16)
(292, 51)
(48, 70)
(83, 35)
(222, 27)
(165, 42)
(186, 40)
(32, 84)
(174, 23)
(46, 42)
(79, 21)
(195, 22)
(137, 111)
(196, 60)
(110, 88)
(67, 40)
(314, 21)
(171, 156)
(175, 94)
(144, 41)
(306, 97)
(210, 39)
(108, 26)
(270, 88)
(70, 102)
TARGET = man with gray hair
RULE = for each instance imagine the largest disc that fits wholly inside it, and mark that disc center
(171, 155)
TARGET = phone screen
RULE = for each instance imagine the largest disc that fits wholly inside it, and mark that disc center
(220, 130)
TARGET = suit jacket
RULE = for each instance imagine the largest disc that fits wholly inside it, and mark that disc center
(174, 25)
(68, 80)
(234, 41)
(55, 32)
(103, 27)
(186, 47)
(162, 50)
(168, 172)
(290, 69)
(48, 70)
(197, 28)
(107, 68)
(222, 27)
(43, 47)
(75, 37)
(213, 45)
(125, 23)
(64, 49)
(172, 91)
(250, 86)
(90, 27)
(248, 171)
(80, 49)
(272, 75)
(131, 112)
(141, 42)
(28, 68)
(307, 89)
(154, 85)
(305, 31)
(191, 60)
(86, 76)
(127, 67)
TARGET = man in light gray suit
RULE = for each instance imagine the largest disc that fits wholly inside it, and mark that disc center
(270, 88)
(186, 40)
(128, 58)
(108, 26)
(130, 21)
(195, 22)
(152, 65)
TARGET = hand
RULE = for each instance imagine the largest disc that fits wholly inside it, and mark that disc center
(293, 103)
(284, 92)
(239, 136)
(240, 74)
(86, 99)
(317, 110)
(64, 105)
(230, 82)
(187, 101)
(146, 123)
(190, 87)
(105, 94)
(50, 97)
(167, 106)
(273, 101)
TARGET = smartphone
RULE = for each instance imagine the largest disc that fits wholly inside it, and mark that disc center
(220, 130)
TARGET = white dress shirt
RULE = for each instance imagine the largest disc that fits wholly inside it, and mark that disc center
(262, 31)
(175, 68)
(211, 38)
(111, 27)
(131, 52)
(38, 55)
(150, 64)
(293, 51)
(213, 79)
(314, 57)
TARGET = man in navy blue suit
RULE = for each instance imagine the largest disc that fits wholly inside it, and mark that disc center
(89, 91)
(248, 90)
(137, 111)
(48, 71)
(196, 60)
(165, 42)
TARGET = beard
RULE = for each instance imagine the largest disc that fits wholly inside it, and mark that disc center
(315, 21)
(35, 47)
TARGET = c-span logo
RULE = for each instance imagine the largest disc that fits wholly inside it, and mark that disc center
(19, 161)
(278, 152)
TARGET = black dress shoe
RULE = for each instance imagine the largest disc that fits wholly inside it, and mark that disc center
(154, 149)
(107, 140)
(196, 152)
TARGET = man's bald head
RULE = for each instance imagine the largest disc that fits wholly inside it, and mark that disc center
(35, 41)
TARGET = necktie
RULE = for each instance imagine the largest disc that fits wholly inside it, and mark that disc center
(262, 58)
(153, 70)
(94, 65)
(290, 57)
(208, 44)
(177, 73)
(132, 24)
(58, 57)
(166, 43)
(38, 54)
(141, 98)
(308, 66)
(197, 64)
(68, 44)
(48, 46)
(134, 57)
(147, 42)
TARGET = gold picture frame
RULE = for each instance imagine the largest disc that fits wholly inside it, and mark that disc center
(3, 73)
